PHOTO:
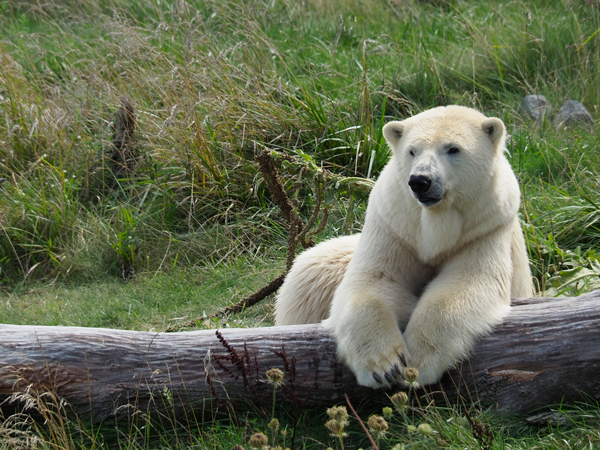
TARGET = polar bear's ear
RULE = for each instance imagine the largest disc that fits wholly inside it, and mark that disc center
(494, 128)
(393, 133)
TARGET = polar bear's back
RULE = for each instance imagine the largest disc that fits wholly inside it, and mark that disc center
(306, 296)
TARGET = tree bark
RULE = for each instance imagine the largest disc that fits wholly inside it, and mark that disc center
(547, 351)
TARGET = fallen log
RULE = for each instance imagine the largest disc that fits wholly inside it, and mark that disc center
(546, 352)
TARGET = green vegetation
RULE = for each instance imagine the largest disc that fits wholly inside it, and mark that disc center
(152, 301)
(214, 83)
(188, 221)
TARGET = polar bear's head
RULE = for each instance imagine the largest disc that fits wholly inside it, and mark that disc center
(448, 180)
(446, 153)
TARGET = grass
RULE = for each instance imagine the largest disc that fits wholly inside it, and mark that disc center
(150, 302)
(215, 83)
(191, 227)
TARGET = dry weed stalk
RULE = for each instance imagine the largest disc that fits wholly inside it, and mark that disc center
(299, 232)
(124, 157)
(45, 421)
(268, 167)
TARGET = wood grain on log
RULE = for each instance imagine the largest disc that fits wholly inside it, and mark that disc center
(547, 351)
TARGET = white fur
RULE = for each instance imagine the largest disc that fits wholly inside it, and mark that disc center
(422, 280)
(440, 231)
(306, 295)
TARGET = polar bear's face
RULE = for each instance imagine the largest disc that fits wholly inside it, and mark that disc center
(431, 170)
(445, 153)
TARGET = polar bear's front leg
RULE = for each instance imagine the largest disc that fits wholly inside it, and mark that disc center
(366, 329)
(469, 297)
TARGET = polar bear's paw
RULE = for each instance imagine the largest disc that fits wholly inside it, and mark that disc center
(376, 366)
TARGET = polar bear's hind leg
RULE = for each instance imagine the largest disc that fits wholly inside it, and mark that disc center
(306, 295)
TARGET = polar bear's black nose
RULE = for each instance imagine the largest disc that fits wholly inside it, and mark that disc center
(419, 184)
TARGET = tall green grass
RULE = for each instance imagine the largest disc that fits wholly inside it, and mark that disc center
(214, 82)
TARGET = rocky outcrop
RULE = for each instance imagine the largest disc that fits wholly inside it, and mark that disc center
(537, 108)
(572, 112)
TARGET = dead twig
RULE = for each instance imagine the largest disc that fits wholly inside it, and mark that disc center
(269, 163)
(361, 423)
(297, 231)
(123, 158)
(244, 303)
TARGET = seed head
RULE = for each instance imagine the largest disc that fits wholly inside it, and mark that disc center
(411, 428)
(411, 374)
(237, 447)
(425, 429)
(387, 413)
(336, 428)
(398, 447)
(399, 400)
(338, 413)
(258, 440)
(273, 425)
(377, 424)
(275, 376)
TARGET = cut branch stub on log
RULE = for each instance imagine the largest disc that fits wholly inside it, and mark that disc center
(546, 352)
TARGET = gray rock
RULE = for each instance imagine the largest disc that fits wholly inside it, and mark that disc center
(571, 113)
(536, 107)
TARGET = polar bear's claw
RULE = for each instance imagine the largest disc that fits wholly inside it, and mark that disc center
(391, 375)
(402, 359)
(377, 378)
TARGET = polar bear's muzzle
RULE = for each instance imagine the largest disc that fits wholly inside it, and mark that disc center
(427, 191)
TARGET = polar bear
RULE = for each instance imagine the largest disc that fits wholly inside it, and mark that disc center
(440, 255)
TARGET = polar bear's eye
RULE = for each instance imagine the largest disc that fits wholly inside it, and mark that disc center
(453, 150)
(411, 153)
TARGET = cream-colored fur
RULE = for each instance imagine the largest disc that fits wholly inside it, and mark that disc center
(432, 271)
